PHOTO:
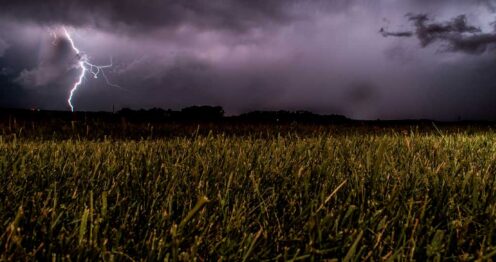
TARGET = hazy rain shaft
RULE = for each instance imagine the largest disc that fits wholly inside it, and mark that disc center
(323, 56)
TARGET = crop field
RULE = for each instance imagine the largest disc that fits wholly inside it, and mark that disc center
(350, 195)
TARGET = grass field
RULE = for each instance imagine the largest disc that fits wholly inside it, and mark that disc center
(350, 196)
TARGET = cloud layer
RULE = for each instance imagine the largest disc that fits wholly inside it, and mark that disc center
(324, 56)
(235, 15)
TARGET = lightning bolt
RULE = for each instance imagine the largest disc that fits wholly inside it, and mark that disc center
(86, 67)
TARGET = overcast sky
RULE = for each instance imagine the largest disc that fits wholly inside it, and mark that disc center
(386, 59)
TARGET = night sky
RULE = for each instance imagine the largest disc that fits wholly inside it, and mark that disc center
(366, 59)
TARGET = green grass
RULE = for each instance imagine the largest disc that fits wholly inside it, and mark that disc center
(394, 196)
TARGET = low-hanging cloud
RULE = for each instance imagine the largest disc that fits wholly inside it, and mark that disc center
(457, 34)
(385, 33)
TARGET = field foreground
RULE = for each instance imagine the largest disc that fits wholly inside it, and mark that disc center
(350, 197)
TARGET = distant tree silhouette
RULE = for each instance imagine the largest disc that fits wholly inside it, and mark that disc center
(188, 114)
(291, 117)
(202, 113)
(194, 113)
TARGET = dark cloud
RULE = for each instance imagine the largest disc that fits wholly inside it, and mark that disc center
(360, 92)
(457, 34)
(3, 46)
(430, 32)
(54, 64)
(320, 55)
(11, 94)
(150, 14)
(395, 34)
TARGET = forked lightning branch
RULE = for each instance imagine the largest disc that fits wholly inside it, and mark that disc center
(86, 67)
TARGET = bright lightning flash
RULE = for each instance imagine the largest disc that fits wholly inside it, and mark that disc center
(86, 67)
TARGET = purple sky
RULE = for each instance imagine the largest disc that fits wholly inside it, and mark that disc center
(326, 56)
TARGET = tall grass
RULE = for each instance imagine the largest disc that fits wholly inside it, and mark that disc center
(350, 197)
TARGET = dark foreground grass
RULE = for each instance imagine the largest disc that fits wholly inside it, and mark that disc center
(350, 197)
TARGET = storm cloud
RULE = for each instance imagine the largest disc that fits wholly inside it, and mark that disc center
(3, 47)
(457, 34)
(234, 15)
(323, 56)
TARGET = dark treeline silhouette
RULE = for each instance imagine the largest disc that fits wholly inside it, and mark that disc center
(303, 117)
(202, 120)
(201, 114)
(188, 114)
(194, 113)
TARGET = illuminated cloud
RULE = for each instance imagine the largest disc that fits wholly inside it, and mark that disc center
(328, 56)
